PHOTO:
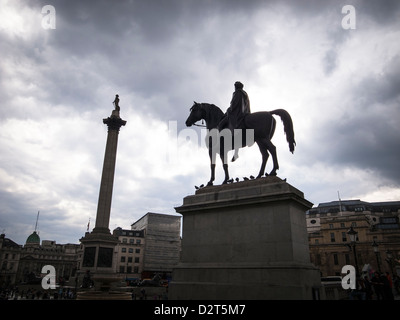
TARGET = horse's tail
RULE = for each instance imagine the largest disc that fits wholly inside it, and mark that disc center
(287, 127)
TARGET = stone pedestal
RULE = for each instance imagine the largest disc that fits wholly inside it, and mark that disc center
(246, 240)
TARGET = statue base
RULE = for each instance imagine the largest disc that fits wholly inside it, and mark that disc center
(99, 258)
(246, 240)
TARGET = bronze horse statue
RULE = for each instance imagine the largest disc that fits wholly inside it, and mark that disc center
(262, 125)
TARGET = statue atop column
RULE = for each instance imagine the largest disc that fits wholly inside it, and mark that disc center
(116, 103)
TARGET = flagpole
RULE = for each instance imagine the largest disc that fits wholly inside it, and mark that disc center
(37, 219)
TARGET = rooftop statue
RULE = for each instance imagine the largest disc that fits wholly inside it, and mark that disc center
(239, 128)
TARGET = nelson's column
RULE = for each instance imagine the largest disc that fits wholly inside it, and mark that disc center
(100, 243)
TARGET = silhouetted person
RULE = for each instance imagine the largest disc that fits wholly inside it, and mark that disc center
(377, 285)
(387, 290)
(234, 116)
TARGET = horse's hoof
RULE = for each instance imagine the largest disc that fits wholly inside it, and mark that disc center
(234, 158)
(272, 173)
(209, 184)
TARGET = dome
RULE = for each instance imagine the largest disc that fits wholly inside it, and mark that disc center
(33, 238)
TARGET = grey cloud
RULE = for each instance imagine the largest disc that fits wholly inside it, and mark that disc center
(367, 135)
(383, 12)
(330, 62)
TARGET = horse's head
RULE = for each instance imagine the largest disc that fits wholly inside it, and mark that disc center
(196, 114)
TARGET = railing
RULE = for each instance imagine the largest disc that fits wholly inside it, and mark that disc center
(333, 291)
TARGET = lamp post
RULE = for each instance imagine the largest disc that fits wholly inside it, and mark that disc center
(389, 259)
(375, 245)
(353, 238)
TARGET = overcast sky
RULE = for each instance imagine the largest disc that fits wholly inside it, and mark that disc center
(341, 86)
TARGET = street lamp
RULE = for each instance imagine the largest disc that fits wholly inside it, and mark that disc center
(353, 238)
(375, 245)
(389, 259)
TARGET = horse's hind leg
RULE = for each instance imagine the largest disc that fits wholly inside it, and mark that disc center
(212, 155)
(212, 178)
(272, 149)
(223, 156)
(263, 149)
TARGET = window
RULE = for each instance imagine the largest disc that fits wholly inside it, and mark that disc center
(335, 259)
(129, 259)
(388, 226)
(130, 250)
(331, 226)
(124, 240)
(136, 259)
(122, 259)
(344, 238)
(342, 225)
(135, 269)
(137, 241)
(389, 220)
(137, 250)
(123, 249)
(347, 258)
(332, 237)
(316, 241)
(318, 259)
(121, 269)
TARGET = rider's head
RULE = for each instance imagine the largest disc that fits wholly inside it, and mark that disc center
(238, 85)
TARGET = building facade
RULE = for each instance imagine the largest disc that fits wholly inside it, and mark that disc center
(23, 264)
(10, 253)
(162, 242)
(129, 253)
(375, 223)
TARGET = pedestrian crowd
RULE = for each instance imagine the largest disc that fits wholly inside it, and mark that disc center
(36, 294)
(380, 286)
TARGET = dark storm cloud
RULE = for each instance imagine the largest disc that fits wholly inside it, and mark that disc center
(155, 50)
(383, 12)
(367, 134)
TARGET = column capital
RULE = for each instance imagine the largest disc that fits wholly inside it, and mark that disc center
(114, 122)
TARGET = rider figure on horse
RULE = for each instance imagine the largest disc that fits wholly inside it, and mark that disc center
(234, 116)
